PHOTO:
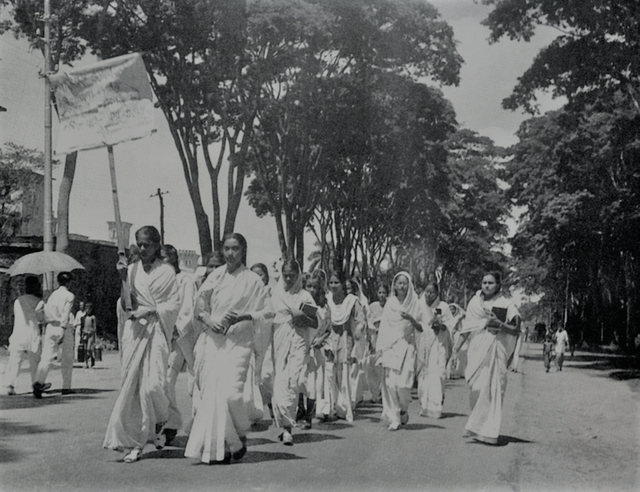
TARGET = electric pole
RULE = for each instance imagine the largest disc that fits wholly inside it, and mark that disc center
(159, 195)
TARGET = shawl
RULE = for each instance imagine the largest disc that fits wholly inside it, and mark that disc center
(340, 313)
(287, 302)
(479, 312)
(393, 327)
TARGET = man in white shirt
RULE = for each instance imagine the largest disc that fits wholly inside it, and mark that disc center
(58, 337)
(562, 343)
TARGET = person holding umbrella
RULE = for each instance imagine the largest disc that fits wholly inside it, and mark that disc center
(24, 343)
(58, 337)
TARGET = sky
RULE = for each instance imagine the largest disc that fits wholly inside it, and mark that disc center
(488, 75)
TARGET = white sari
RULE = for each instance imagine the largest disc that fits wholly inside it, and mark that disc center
(222, 361)
(346, 318)
(291, 348)
(142, 403)
(488, 357)
(396, 344)
(433, 353)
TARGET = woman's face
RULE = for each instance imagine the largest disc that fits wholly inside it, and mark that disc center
(262, 275)
(148, 248)
(382, 295)
(430, 294)
(335, 286)
(232, 251)
(401, 287)
(349, 288)
(289, 276)
(313, 287)
(489, 286)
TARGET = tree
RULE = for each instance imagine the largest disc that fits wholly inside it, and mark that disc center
(193, 52)
(65, 47)
(596, 54)
(575, 174)
(316, 120)
(17, 166)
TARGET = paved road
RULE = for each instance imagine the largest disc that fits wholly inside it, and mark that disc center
(571, 430)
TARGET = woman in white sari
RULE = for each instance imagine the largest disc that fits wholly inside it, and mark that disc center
(230, 302)
(142, 406)
(348, 323)
(290, 346)
(492, 323)
(402, 316)
(433, 352)
(184, 340)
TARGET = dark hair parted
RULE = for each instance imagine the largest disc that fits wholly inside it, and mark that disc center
(497, 275)
(172, 256)
(64, 278)
(263, 268)
(240, 238)
(32, 286)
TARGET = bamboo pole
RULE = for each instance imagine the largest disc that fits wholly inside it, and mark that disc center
(126, 290)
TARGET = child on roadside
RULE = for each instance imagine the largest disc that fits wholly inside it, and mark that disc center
(547, 352)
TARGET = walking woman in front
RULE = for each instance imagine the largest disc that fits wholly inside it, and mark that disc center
(290, 345)
(142, 406)
(402, 316)
(230, 302)
(492, 323)
(348, 323)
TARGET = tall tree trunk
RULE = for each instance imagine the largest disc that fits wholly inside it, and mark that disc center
(64, 195)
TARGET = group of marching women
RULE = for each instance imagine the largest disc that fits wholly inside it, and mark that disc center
(306, 348)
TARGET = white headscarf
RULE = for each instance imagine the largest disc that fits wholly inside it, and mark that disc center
(393, 326)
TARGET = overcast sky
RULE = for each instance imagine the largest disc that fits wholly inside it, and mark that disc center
(488, 75)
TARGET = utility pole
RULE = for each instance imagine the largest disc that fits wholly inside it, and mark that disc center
(159, 194)
(48, 188)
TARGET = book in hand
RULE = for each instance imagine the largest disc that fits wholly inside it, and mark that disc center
(501, 313)
(309, 309)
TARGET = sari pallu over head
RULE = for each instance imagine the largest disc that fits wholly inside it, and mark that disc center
(396, 334)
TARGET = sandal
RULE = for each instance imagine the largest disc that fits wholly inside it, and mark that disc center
(132, 456)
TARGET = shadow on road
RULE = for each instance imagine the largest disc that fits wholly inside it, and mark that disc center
(332, 426)
(306, 438)
(258, 441)
(450, 415)
(417, 427)
(625, 366)
(503, 441)
(163, 454)
(27, 400)
(12, 429)
(260, 456)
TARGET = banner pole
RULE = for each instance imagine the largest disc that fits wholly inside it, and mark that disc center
(126, 290)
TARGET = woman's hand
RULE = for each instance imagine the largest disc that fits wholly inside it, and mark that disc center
(142, 312)
(411, 319)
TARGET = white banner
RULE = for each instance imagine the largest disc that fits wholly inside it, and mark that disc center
(103, 104)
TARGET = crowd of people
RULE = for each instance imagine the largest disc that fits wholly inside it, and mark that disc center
(46, 333)
(306, 349)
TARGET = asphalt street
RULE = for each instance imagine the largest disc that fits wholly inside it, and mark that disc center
(572, 430)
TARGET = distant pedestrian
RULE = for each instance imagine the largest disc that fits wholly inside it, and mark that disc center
(58, 338)
(24, 343)
(562, 343)
(547, 352)
(77, 328)
(89, 331)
